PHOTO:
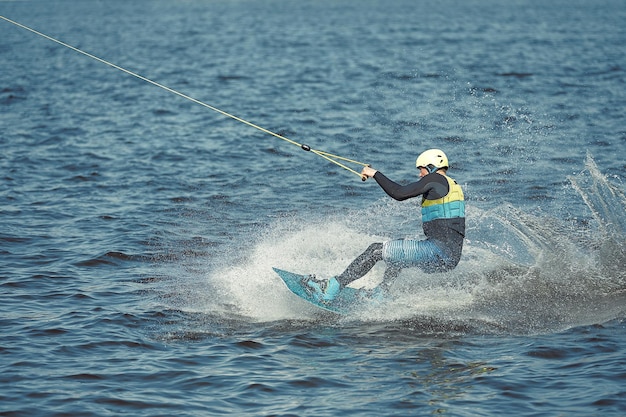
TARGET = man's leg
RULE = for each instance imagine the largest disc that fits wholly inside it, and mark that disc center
(362, 264)
(390, 275)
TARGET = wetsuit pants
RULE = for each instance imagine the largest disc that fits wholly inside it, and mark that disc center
(425, 254)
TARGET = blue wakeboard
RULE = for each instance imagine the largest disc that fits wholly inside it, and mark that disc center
(340, 305)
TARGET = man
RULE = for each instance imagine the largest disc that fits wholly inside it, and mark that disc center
(443, 221)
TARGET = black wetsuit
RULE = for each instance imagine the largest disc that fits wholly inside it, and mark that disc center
(441, 250)
(449, 231)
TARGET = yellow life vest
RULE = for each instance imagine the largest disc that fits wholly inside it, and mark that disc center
(451, 206)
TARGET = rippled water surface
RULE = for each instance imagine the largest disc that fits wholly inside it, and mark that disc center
(139, 228)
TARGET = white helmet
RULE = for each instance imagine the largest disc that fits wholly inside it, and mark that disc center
(432, 160)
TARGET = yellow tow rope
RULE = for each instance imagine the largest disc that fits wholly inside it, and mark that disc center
(328, 156)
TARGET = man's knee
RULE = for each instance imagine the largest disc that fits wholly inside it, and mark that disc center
(375, 248)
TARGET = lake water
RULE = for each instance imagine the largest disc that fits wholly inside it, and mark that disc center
(139, 229)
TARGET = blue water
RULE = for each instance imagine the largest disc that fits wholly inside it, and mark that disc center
(139, 229)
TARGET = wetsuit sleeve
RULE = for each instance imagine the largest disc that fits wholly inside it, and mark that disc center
(404, 192)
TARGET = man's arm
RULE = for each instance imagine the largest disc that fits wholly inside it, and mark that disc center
(402, 192)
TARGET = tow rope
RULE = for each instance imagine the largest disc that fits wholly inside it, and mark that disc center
(335, 159)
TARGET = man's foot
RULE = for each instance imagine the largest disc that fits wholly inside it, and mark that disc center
(322, 290)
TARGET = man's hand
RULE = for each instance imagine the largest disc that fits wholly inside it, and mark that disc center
(368, 172)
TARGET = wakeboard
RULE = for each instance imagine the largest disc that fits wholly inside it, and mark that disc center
(346, 298)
